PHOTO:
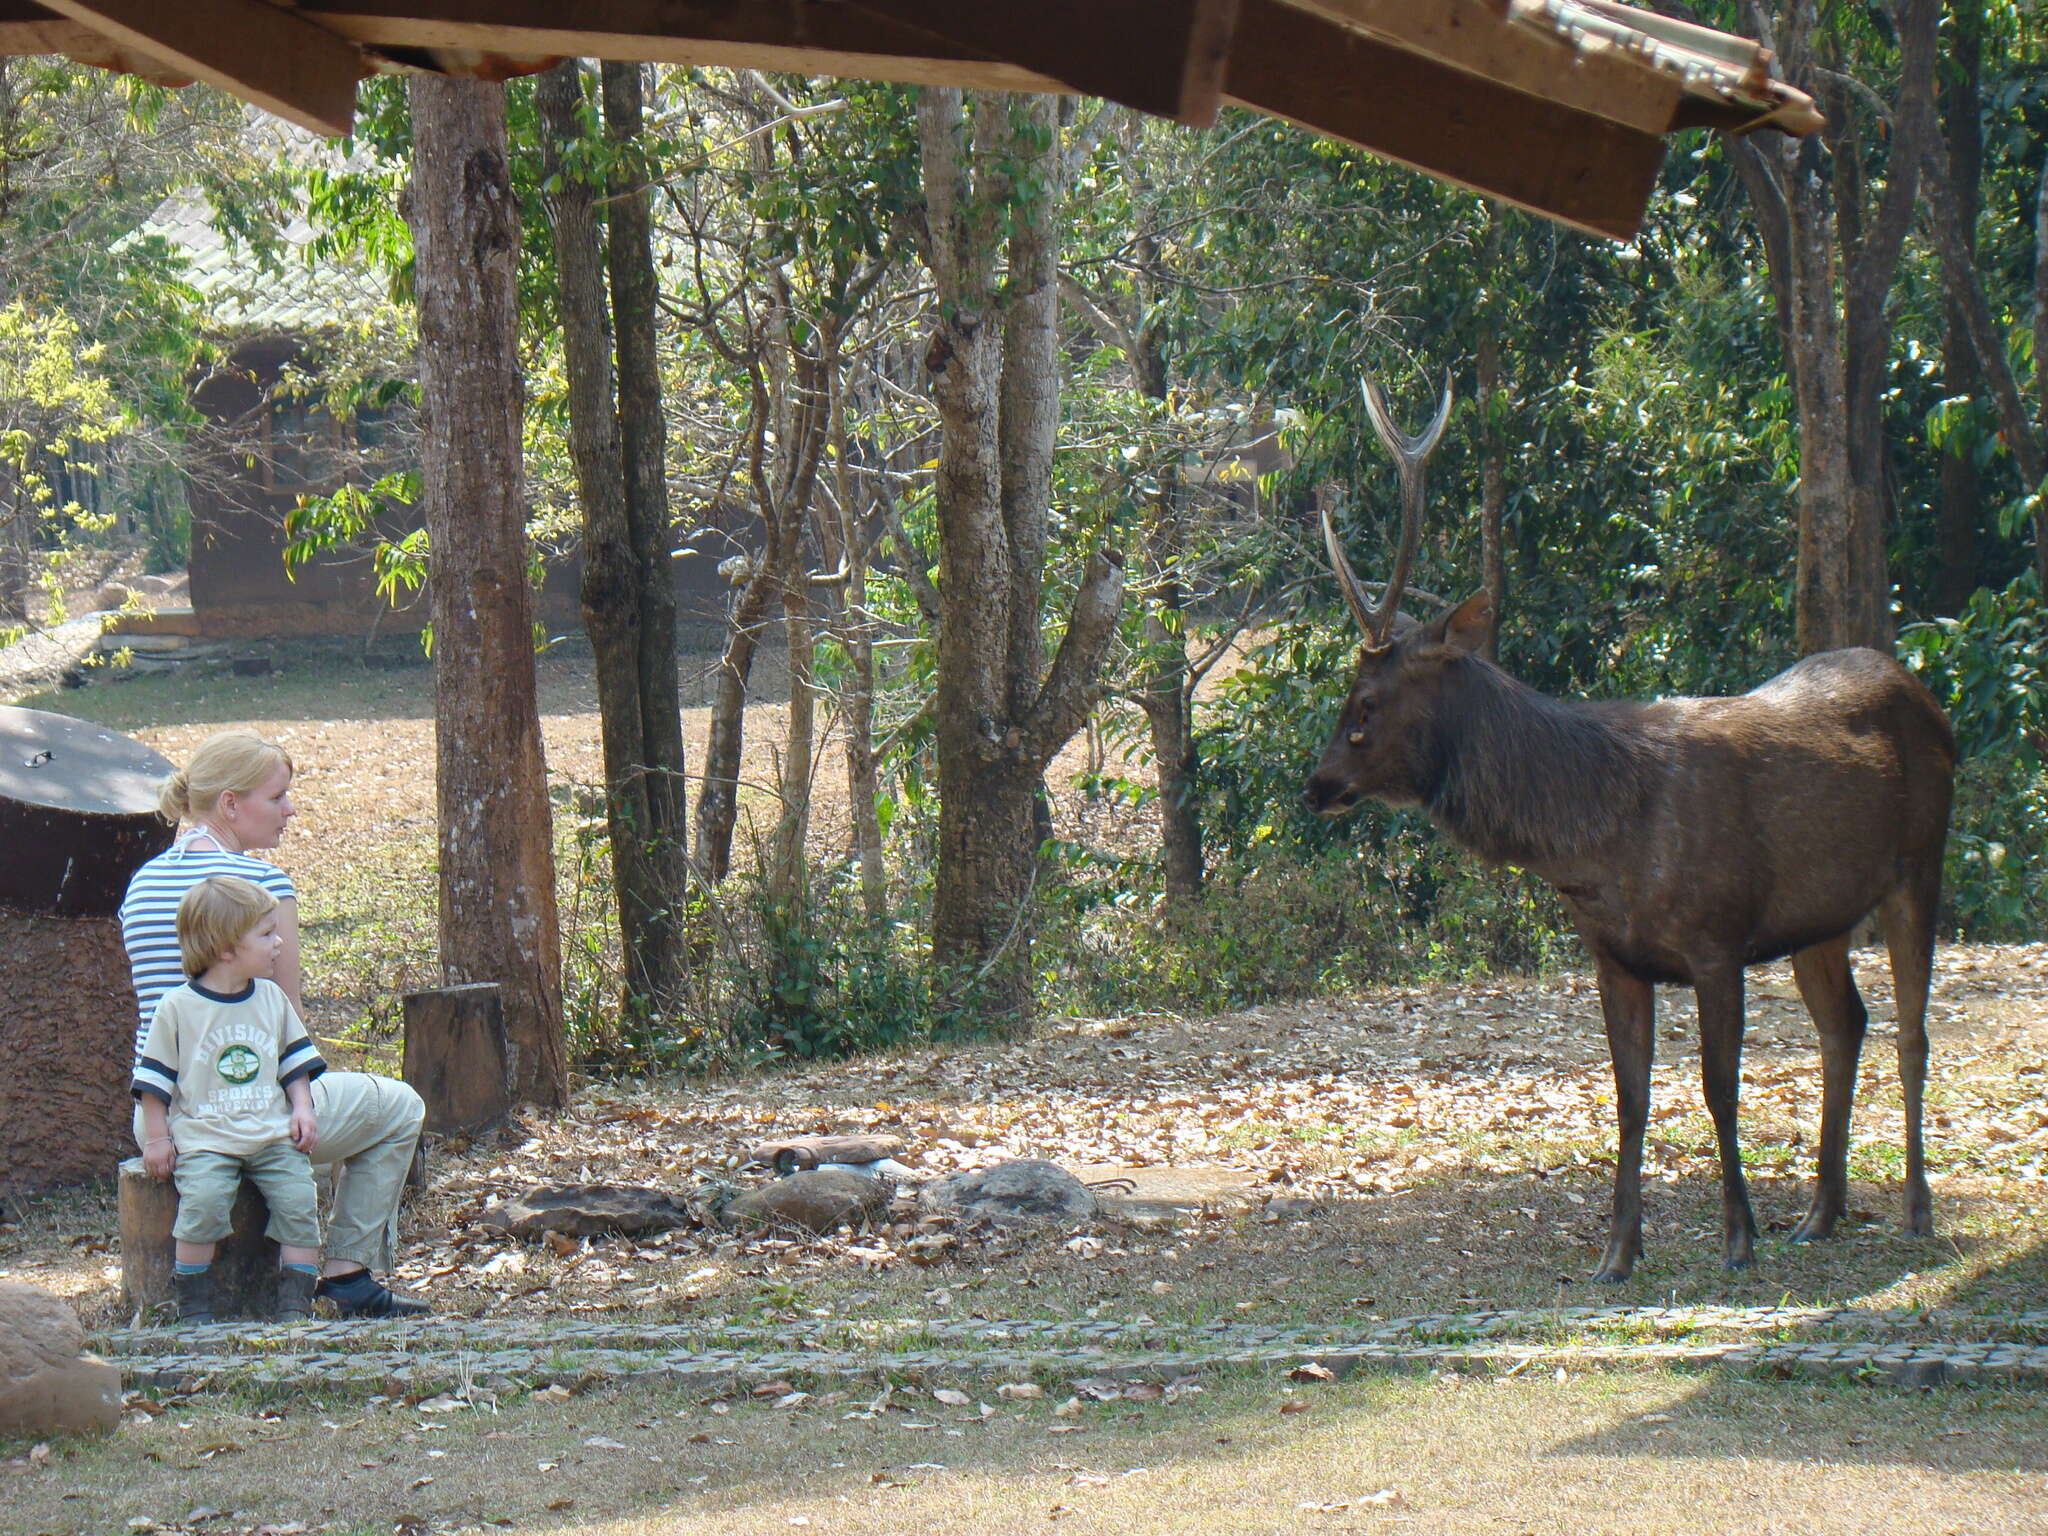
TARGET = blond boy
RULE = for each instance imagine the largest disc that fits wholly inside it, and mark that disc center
(224, 1081)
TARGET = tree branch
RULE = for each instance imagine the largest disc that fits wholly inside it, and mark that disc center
(1071, 688)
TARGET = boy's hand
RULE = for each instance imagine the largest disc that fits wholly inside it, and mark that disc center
(160, 1157)
(305, 1131)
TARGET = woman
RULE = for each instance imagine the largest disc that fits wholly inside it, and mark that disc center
(236, 795)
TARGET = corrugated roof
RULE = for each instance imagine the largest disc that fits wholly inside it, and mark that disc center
(1726, 80)
(244, 294)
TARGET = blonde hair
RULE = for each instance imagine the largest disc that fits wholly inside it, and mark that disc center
(214, 915)
(227, 760)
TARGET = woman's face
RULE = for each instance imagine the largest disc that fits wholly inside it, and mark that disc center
(257, 819)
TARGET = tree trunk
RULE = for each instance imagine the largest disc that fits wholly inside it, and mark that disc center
(856, 634)
(1961, 512)
(1836, 350)
(992, 361)
(1493, 477)
(643, 451)
(718, 796)
(497, 907)
(611, 572)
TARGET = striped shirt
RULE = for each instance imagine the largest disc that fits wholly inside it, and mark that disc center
(221, 1062)
(149, 913)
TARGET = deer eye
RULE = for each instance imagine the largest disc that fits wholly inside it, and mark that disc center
(1357, 736)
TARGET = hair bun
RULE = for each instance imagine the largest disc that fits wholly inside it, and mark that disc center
(173, 801)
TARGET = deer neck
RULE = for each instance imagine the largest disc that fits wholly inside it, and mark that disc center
(1522, 778)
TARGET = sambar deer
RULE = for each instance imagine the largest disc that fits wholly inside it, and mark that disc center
(1689, 837)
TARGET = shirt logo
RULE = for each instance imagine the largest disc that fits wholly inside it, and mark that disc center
(238, 1064)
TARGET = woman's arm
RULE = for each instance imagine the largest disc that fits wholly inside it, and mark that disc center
(290, 975)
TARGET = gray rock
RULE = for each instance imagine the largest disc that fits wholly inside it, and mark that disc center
(1026, 1189)
(585, 1210)
(47, 1381)
(816, 1200)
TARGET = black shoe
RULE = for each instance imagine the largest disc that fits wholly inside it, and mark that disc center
(357, 1299)
(194, 1295)
(295, 1296)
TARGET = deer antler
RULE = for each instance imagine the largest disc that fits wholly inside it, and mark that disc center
(1411, 453)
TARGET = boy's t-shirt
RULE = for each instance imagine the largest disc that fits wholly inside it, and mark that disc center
(221, 1064)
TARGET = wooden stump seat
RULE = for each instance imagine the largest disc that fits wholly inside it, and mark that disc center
(244, 1265)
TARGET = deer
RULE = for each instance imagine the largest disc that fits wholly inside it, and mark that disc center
(1688, 838)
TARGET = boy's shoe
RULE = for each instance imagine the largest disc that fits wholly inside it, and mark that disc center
(295, 1295)
(360, 1295)
(194, 1295)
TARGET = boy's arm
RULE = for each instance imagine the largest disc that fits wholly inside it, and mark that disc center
(155, 1085)
(159, 1152)
(298, 1063)
(305, 1129)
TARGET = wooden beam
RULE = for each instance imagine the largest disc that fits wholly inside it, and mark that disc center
(262, 53)
(1583, 170)
(1478, 37)
(26, 29)
(806, 39)
(1165, 57)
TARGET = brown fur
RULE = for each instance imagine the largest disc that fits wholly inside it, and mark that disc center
(1689, 838)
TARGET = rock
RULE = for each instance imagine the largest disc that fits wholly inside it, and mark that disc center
(816, 1200)
(111, 595)
(584, 1210)
(789, 1153)
(48, 1383)
(153, 586)
(1023, 1190)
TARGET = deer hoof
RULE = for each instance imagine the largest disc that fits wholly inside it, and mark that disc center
(1813, 1229)
(1607, 1275)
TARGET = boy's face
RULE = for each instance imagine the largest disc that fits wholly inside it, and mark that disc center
(256, 952)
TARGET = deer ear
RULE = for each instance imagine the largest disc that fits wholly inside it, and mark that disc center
(1467, 627)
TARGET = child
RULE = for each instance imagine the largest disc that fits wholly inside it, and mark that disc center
(224, 1081)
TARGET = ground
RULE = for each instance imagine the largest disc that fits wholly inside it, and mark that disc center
(1337, 1163)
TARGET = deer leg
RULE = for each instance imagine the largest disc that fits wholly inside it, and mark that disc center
(1720, 997)
(1908, 915)
(1829, 989)
(1628, 1005)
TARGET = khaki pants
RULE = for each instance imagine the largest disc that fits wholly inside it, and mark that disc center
(368, 1127)
(208, 1183)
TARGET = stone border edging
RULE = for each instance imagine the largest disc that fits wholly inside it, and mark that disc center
(444, 1354)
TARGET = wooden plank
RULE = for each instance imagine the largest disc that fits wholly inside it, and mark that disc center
(1586, 171)
(808, 39)
(1165, 57)
(264, 54)
(1475, 36)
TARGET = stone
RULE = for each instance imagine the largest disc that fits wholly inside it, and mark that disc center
(816, 1200)
(111, 595)
(789, 1153)
(48, 1383)
(586, 1210)
(1013, 1193)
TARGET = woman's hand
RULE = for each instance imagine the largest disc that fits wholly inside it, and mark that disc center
(160, 1156)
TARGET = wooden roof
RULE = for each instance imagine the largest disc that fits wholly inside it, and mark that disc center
(1557, 105)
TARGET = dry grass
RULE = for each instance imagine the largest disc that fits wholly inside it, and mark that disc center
(1628, 1452)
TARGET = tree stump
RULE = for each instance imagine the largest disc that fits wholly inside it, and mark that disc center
(455, 1056)
(77, 815)
(244, 1265)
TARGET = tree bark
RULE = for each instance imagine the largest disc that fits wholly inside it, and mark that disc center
(643, 452)
(992, 363)
(497, 893)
